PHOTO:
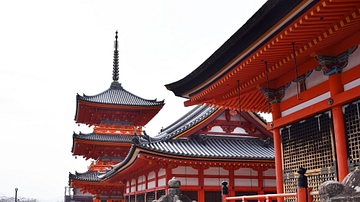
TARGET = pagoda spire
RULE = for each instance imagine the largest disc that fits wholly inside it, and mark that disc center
(116, 59)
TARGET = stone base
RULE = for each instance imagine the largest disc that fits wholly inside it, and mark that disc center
(345, 199)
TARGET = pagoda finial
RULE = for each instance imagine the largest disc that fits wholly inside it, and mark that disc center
(116, 59)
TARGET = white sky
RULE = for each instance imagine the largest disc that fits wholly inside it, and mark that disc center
(52, 50)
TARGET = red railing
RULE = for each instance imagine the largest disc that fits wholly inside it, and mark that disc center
(267, 197)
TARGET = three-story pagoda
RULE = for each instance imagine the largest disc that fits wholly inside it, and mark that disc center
(117, 116)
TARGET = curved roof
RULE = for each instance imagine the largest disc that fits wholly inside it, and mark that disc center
(104, 137)
(90, 176)
(117, 95)
(204, 146)
(276, 46)
(266, 17)
(189, 120)
(200, 147)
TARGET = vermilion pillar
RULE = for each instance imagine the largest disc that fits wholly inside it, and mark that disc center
(275, 109)
(336, 87)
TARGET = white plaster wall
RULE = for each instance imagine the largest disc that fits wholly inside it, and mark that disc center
(269, 183)
(214, 181)
(151, 184)
(354, 59)
(141, 187)
(185, 170)
(245, 171)
(151, 175)
(161, 172)
(188, 181)
(246, 182)
(141, 178)
(161, 182)
(216, 171)
(318, 77)
(269, 172)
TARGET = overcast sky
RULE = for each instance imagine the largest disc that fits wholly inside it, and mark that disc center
(52, 50)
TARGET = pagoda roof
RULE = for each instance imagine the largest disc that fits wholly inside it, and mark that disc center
(116, 103)
(104, 137)
(117, 95)
(90, 176)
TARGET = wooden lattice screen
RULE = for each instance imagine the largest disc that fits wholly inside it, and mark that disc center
(308, 144)
(352, 124)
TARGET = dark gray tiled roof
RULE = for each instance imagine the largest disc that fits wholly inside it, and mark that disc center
(203, 146)
(90, 176)
(104, 137)
(196, 115)
(117, 95)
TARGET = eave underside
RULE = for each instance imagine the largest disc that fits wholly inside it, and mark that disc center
(316, 32)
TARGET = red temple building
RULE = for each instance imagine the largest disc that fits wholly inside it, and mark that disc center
(205, 147)
(300, 61)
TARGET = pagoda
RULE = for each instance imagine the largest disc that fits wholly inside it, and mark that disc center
(117, 116)
(300, 61)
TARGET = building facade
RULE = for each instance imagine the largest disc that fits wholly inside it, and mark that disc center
(298, 60)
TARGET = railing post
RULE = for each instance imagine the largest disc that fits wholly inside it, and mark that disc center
(302, 186)
(224, 191)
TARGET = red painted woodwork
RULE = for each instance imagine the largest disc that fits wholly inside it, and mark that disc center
(314, 32)
(93, 113)
(336, 87)
(95, 150)
(276, 114)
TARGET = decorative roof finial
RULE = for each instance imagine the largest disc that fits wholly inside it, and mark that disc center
(116, 59)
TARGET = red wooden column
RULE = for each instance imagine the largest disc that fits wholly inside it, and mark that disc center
(336, 87)
(275, 109)
(201, 191)
(168, 176)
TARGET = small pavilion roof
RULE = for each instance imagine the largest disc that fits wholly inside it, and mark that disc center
(117, 95)
(190, 119)
(204, 146)
(197, 115)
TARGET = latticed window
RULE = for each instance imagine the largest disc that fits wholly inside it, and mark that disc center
(352, 124)
(150, 196)
(159, 193)
(309, 144)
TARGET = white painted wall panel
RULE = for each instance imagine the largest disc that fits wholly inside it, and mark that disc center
(269, 172)
(188, 181)
(161, 172)
(246, 182)
(214, 181)
(161, 182)
(151, 184)
(245, 171)
(216, 171)
(188, 170)
(269, 182)
(151, 175)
